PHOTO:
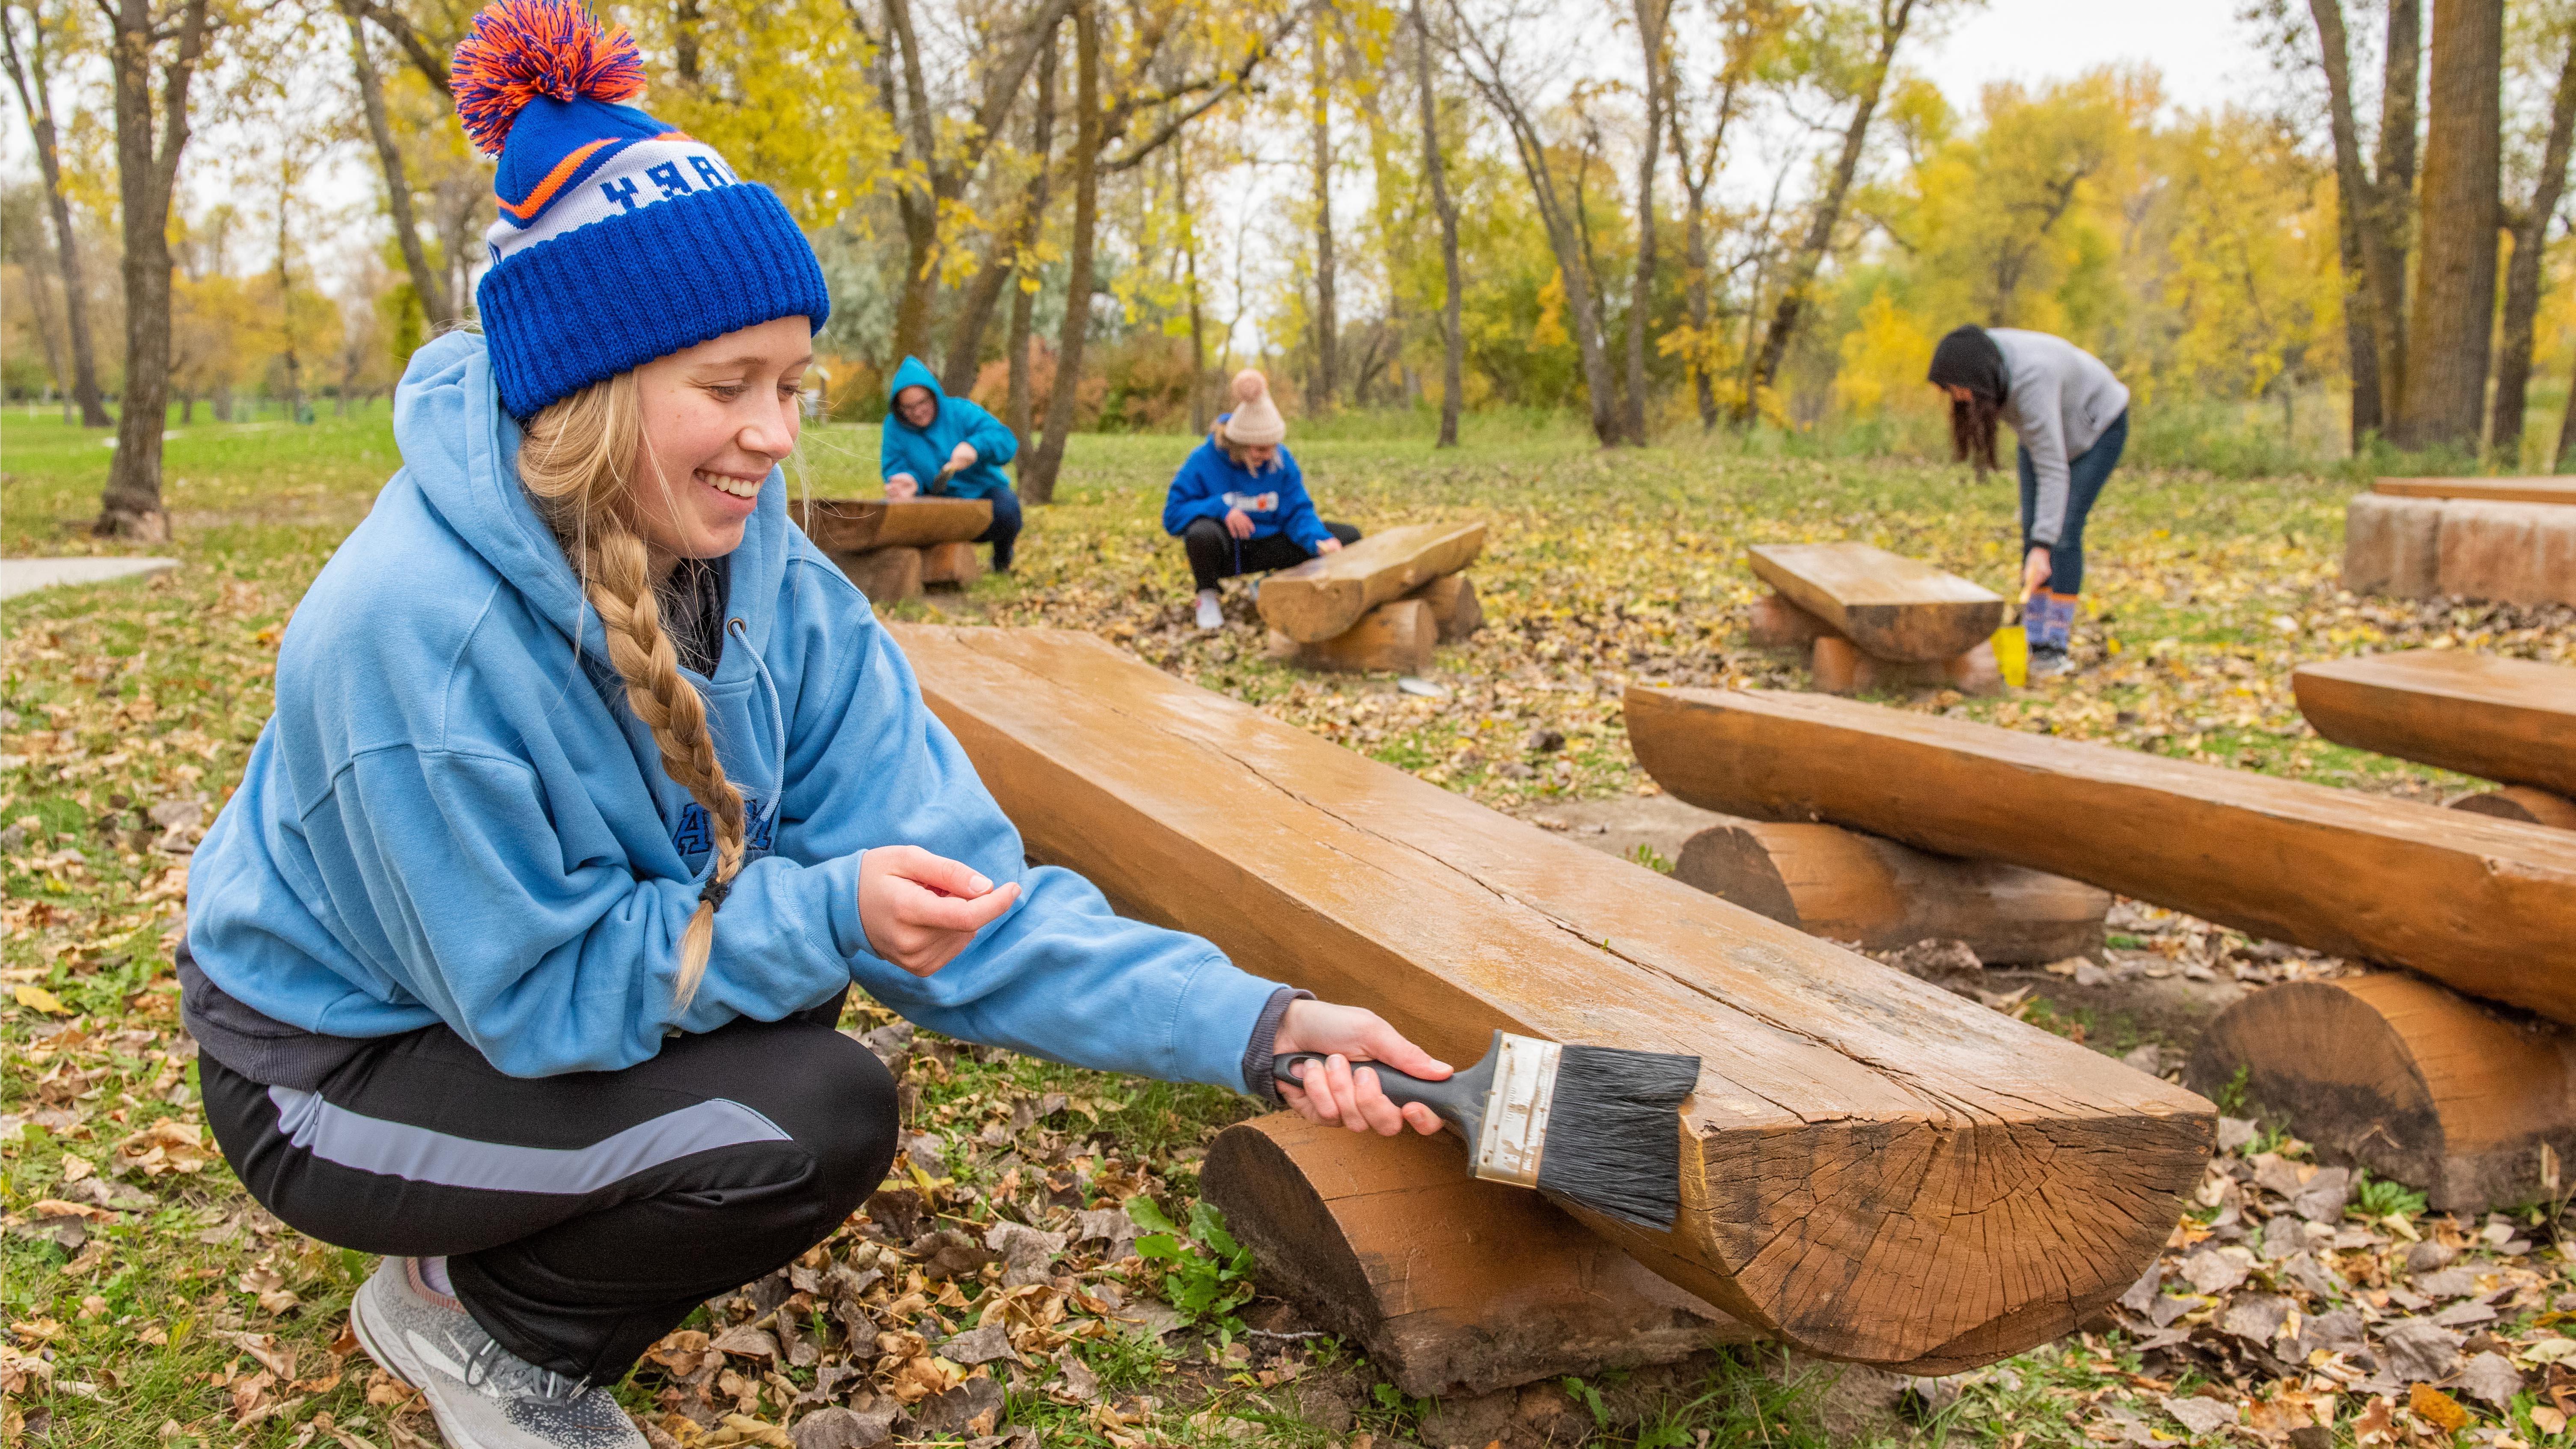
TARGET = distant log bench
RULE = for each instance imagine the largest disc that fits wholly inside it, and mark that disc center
(1873, 1168)
(1871, 620)
(2486, 905)
(892, 547)
(2469, 543)
(2488, 490)
(2509, 720)
(1378, 604)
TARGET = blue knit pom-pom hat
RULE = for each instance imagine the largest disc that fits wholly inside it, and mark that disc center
(620, 240)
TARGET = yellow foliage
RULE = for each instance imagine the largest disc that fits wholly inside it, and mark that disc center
(1886, 356)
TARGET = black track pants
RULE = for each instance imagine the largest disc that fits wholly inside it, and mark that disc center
(582, 1216)
(1216, 554)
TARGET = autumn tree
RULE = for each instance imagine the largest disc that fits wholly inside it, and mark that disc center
(1453, 341)
(32, 40)
(2455, 280)
(2527, 224)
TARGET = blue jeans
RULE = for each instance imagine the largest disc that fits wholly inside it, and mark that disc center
(1005, 531)
(2086, 473)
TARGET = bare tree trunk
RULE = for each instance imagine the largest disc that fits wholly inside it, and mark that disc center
(1893, 17)
(966, 343)
(2522, 277)
(371, 93)
(40, 301)
(147, 169)
(285, 307)
(2360, 239)
(1023, 316)
(1190, 264)
(1652, 18)
(1037, 484)
(34, 82)
(685, 17)
(1328, 329)
(915, 199)
(2455, 281)
(2391, 220)
(1453, 361)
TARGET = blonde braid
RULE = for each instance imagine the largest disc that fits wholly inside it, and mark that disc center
(574, 462)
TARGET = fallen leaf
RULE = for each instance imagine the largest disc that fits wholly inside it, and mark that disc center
(37, 998)
(2491, 1378)
(2437, 1408)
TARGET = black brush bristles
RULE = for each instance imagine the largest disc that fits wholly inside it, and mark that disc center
(1613, 1144)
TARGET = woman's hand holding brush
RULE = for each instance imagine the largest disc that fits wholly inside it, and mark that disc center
(1349, 1094)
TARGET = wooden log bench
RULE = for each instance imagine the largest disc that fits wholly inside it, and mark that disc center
(2488, 906)
(2407, 1078)
(1452, 1285)
(1871, 892)
(1893, 607)
(2509, 720)
(2409, 547)
(1872, 1168)
(2486, 490)
(892, 547)
(1326, 595)
(2527, 804)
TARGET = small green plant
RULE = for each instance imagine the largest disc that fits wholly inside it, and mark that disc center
(2122, 941)
(1589, 1397)
(1206, 1273)
(2231, 1097)
(1395, 1411)
(2375, 1197)
(1649, 857)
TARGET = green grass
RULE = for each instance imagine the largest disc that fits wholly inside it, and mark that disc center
(1600, 569)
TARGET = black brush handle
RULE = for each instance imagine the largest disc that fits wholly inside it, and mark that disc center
(1460, 1100)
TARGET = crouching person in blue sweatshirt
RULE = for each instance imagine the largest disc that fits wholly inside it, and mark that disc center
(1239, 503)
(591, 791)
(948, 447)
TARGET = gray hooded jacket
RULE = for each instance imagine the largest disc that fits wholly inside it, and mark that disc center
(2063, 399)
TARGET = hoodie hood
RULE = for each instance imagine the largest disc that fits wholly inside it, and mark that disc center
(461, 450)
(913, 373)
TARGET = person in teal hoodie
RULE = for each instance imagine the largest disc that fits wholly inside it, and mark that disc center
(1239, 503)
(592, 790)
(948, 447)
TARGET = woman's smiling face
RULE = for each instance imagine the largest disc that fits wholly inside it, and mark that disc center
(717, 418)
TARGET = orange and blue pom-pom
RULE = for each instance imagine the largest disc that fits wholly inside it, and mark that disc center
(522, 49)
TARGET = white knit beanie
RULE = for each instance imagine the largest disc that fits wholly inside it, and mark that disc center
(1256, 422)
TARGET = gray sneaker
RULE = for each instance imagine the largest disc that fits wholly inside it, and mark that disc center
(483, 1396)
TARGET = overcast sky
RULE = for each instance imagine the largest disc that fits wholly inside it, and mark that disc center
(2207, 56)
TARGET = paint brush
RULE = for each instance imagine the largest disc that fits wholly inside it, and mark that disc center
(1593, 1125)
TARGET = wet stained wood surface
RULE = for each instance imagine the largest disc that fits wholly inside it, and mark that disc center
(2511, 720)
(1328, 593)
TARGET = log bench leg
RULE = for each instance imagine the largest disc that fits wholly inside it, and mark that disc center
(1396, 636)
(1840, 667)
(2406, 1077)
(885, 575)
(1865, 889)
(2526, 803)
(1454, 1286)
(956, 564)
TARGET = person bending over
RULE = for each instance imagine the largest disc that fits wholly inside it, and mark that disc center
(1239, 503)
(948, 447)
(592, 789)
(2071, 417)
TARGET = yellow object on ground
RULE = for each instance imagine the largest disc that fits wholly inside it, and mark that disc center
(2012, 655)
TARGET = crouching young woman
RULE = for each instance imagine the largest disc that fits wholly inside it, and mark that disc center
(591, 791)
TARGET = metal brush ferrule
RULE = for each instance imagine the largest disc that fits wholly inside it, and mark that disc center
(1514, 1135)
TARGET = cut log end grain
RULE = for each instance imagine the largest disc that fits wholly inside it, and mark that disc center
(2499, 719)
(885, 575)
(1893, 607)
(2520, 803)
(2484, 905)
(1324, 596)
(1454, 606)
(959, 564)
(1452, 1285)
(1395, 637)
(1873, 1169)
(2410, 1079)
(2392, 546)
(1882, 896)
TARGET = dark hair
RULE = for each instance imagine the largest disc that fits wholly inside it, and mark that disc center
(1972, 431)
(1967, 358)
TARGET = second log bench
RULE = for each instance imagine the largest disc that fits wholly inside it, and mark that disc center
(1872, 620)
(891, 548)
(2509, 720)
(1379, 604)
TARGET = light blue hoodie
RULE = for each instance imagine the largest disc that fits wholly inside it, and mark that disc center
(450, 819)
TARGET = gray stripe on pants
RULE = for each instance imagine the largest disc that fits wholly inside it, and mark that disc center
(419, 1154)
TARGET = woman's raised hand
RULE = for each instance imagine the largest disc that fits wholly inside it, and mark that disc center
(961, 456)
(919, 910)
(1344, 1090)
